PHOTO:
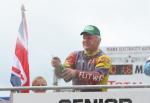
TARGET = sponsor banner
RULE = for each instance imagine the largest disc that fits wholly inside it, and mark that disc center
(84, 97)
(127, 49)
(128, 64)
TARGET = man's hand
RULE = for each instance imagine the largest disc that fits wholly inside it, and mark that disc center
(68, 74)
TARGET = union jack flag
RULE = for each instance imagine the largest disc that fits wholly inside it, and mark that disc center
(20, 69)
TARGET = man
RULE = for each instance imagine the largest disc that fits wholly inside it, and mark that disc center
(147, 67)
(86, 67)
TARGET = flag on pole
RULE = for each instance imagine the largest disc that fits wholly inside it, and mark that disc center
(20, 69)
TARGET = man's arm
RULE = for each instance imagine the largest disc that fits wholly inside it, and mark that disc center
(90, 77)
(102, 69)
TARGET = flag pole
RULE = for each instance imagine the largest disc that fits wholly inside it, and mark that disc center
(22, 8)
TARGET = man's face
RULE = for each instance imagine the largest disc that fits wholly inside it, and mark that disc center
(90, 42)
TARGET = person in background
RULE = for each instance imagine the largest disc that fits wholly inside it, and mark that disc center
(90, 66)
(147, 67)
(39, 81)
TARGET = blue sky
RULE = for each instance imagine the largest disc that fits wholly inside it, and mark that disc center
(54, 27)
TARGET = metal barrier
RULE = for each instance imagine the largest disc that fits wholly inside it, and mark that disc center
(74, 87)
(81, 97)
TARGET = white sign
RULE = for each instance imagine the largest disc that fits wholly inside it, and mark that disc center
(83, 97)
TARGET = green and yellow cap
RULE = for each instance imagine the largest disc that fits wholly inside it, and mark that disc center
(92, 30)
